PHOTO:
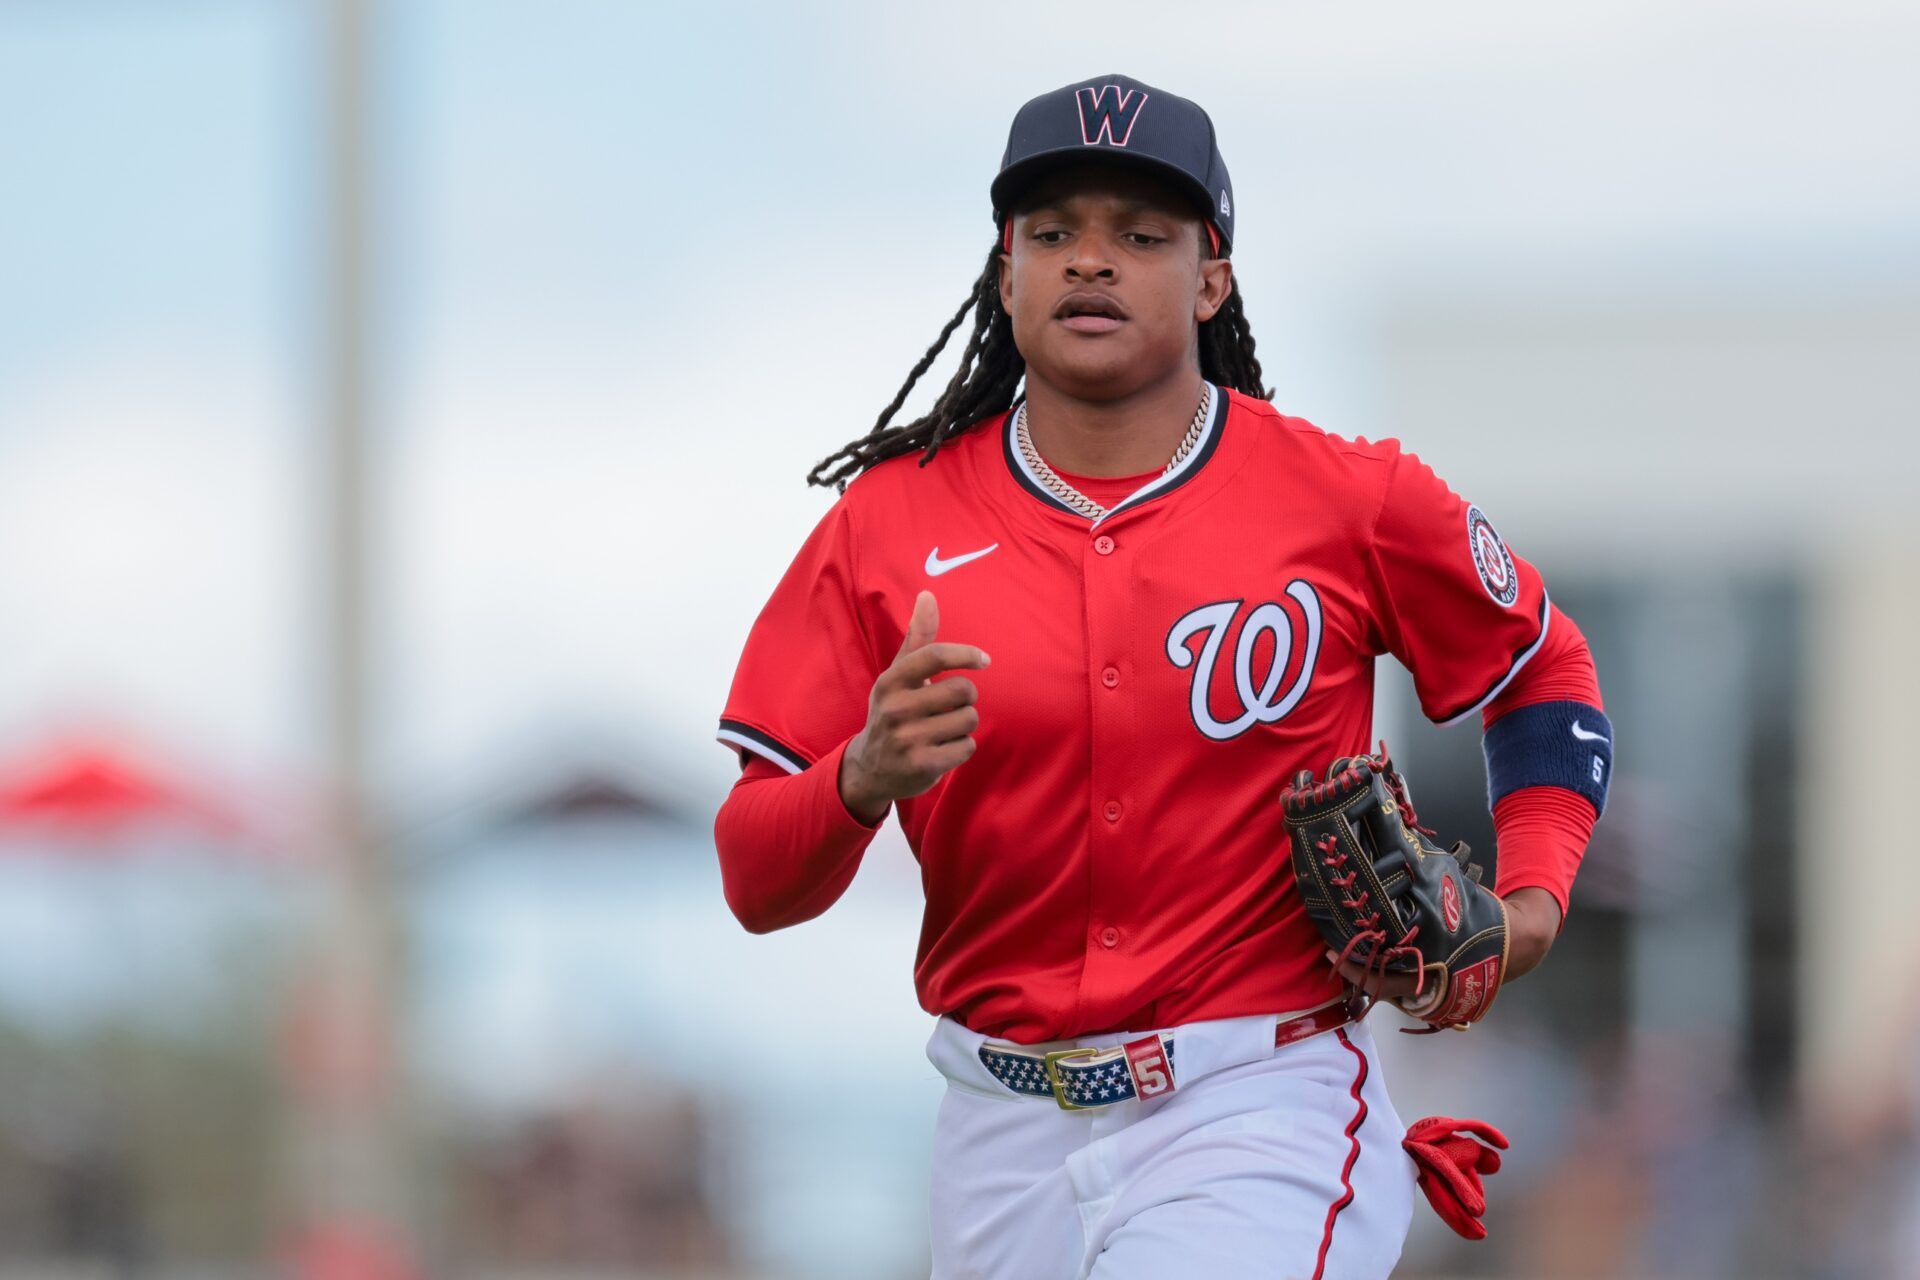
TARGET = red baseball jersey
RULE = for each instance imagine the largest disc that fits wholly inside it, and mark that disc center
(1113, 855)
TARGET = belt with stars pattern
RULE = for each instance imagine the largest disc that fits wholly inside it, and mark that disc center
(1082, 1079)
(1100, 1078)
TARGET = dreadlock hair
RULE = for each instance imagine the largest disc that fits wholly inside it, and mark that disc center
(991, 368)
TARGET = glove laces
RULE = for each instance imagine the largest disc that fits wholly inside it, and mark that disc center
(1370, 941)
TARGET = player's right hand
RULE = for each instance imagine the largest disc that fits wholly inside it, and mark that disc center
(917, 727)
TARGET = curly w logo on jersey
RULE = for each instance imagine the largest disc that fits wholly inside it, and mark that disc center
(1268, 702)
(1108, 113)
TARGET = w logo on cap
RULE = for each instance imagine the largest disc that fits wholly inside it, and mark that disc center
(1108, 113)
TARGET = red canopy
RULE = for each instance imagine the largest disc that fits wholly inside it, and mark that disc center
(91, 790)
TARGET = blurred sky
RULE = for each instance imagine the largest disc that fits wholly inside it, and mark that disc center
(640, 266)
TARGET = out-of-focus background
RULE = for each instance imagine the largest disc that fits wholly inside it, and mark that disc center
(404, 410)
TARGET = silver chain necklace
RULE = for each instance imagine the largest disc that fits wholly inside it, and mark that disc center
(1073, 497)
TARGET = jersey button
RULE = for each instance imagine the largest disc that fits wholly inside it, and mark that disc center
(1109, 937)
(1110, 677)
(1103, 544)
(1113, 811)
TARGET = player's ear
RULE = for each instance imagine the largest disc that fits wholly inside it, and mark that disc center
(1006, 266)
(1216, 285)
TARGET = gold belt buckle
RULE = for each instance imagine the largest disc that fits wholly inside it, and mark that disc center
(1058, 1082)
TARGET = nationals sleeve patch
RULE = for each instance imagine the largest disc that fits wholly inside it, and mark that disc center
(1492, 559)
(1462, 624)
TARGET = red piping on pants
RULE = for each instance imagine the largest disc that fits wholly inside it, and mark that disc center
(1346, 1172)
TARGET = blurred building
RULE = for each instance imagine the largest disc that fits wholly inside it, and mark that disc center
(1720, 496)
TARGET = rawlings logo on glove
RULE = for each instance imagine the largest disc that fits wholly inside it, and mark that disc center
(1387, 897)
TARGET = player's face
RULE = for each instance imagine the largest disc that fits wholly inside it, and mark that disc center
(1108, 281)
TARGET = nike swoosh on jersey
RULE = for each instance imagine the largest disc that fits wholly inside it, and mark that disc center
(1587, 736)
(936, 566)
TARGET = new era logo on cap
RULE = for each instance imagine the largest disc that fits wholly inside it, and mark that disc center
(1107, 113)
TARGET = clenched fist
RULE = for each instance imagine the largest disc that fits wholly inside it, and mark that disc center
(917, 727)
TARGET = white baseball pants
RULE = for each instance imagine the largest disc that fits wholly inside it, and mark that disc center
(1282, 1163)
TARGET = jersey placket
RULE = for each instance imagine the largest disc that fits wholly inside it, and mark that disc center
(1106, 572)
(1107, 549)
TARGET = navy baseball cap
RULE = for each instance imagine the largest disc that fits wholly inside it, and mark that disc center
(1120, 120)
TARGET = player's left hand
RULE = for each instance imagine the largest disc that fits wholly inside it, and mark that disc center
(1533, 921)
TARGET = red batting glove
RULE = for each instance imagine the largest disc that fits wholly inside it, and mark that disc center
(1451, 1160)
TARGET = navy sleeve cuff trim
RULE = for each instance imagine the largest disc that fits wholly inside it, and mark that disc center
(1520, 659)
(745, 737)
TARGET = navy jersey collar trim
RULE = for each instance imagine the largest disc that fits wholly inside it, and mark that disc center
(1158, 487)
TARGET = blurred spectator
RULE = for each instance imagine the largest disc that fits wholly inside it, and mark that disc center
(615, 1180)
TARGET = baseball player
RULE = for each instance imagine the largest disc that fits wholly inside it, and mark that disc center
(1076, 626)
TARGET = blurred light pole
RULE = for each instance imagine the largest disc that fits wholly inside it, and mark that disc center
(354, 1210)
